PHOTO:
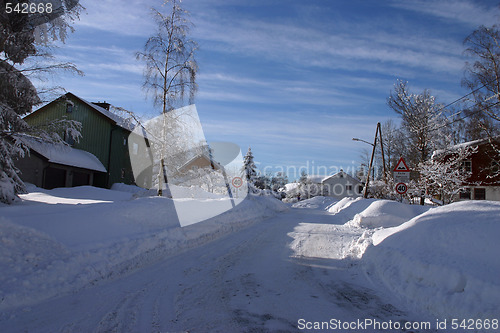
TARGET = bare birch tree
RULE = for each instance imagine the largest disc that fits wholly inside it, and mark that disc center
(483, 74)
(483, 78)
(171, 68)
(421, 117)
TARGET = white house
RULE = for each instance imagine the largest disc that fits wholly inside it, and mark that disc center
(339, 185)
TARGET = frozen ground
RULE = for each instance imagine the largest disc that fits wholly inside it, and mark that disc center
(93, 260)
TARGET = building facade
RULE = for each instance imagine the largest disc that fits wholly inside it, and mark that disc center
(104, 136)
(484, 166)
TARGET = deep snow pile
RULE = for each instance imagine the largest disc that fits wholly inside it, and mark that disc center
(55, 241)
(444, 261)
(347, 208)
(386, 213)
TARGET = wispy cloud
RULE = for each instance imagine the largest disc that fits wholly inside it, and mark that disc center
(130, 18)
(471, 13)
(360, 49)
(300, 138)
(295, 86)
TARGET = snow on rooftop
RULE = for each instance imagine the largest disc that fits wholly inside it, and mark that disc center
(316, 178)
(65, 155)
(343, 173)
(462, 145)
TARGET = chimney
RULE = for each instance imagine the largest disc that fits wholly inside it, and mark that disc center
(103, 105)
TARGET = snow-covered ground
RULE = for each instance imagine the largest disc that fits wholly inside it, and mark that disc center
(59, 240)
(445, 261)
(88, 259)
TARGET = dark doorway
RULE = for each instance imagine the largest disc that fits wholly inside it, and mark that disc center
(80, 179)
(479, 194)
(54, 177)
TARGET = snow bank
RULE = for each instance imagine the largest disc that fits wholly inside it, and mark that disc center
(316, 202)
(444, 261)
(60, 240)
(347, 208)
(73, 195)
(386, 213)
(180, 191)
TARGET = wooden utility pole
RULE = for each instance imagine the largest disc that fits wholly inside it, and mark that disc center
(377, 132)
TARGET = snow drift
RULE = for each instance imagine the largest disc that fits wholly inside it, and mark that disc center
(386, 213)
(444, 261)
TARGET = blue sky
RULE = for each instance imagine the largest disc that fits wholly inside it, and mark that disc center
(295, 80)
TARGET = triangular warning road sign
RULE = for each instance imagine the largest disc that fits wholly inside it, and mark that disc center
(401, 166)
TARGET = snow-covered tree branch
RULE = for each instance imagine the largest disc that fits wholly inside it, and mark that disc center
(444, 175)
(24, 38)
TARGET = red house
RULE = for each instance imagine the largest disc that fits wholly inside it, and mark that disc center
(484, 165)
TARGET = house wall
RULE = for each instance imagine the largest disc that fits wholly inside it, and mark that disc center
(338, 187)
(96, 128)
(31, 167)
(119, 168)
(100, 136)
(481, 163)
(482, 179)
(481, 166)
(492, 193)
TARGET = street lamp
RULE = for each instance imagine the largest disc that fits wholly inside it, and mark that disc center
(356, 139)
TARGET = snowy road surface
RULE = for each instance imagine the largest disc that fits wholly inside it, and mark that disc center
(258, 279)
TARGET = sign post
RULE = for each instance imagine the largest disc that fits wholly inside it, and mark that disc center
(401, 177)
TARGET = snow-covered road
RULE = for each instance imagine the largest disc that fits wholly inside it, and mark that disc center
(253, 280)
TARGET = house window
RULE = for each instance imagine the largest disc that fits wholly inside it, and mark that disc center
(124, 141)
(479, 194)
(466, 166)
(360, 189)
(348, 187)
(69, 108)
(123, 173)
(465, 194)
(135, 148)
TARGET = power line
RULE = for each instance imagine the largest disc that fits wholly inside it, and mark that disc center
(454, 114)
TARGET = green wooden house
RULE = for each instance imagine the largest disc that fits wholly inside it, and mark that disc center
(104, 135)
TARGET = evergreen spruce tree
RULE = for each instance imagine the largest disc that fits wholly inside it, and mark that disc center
(249, 168)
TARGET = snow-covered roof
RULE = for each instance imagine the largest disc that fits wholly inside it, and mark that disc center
(64, 155)
(320, 179)
(216, 164)
(341, 172)
(316, 178)
(462, 145)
